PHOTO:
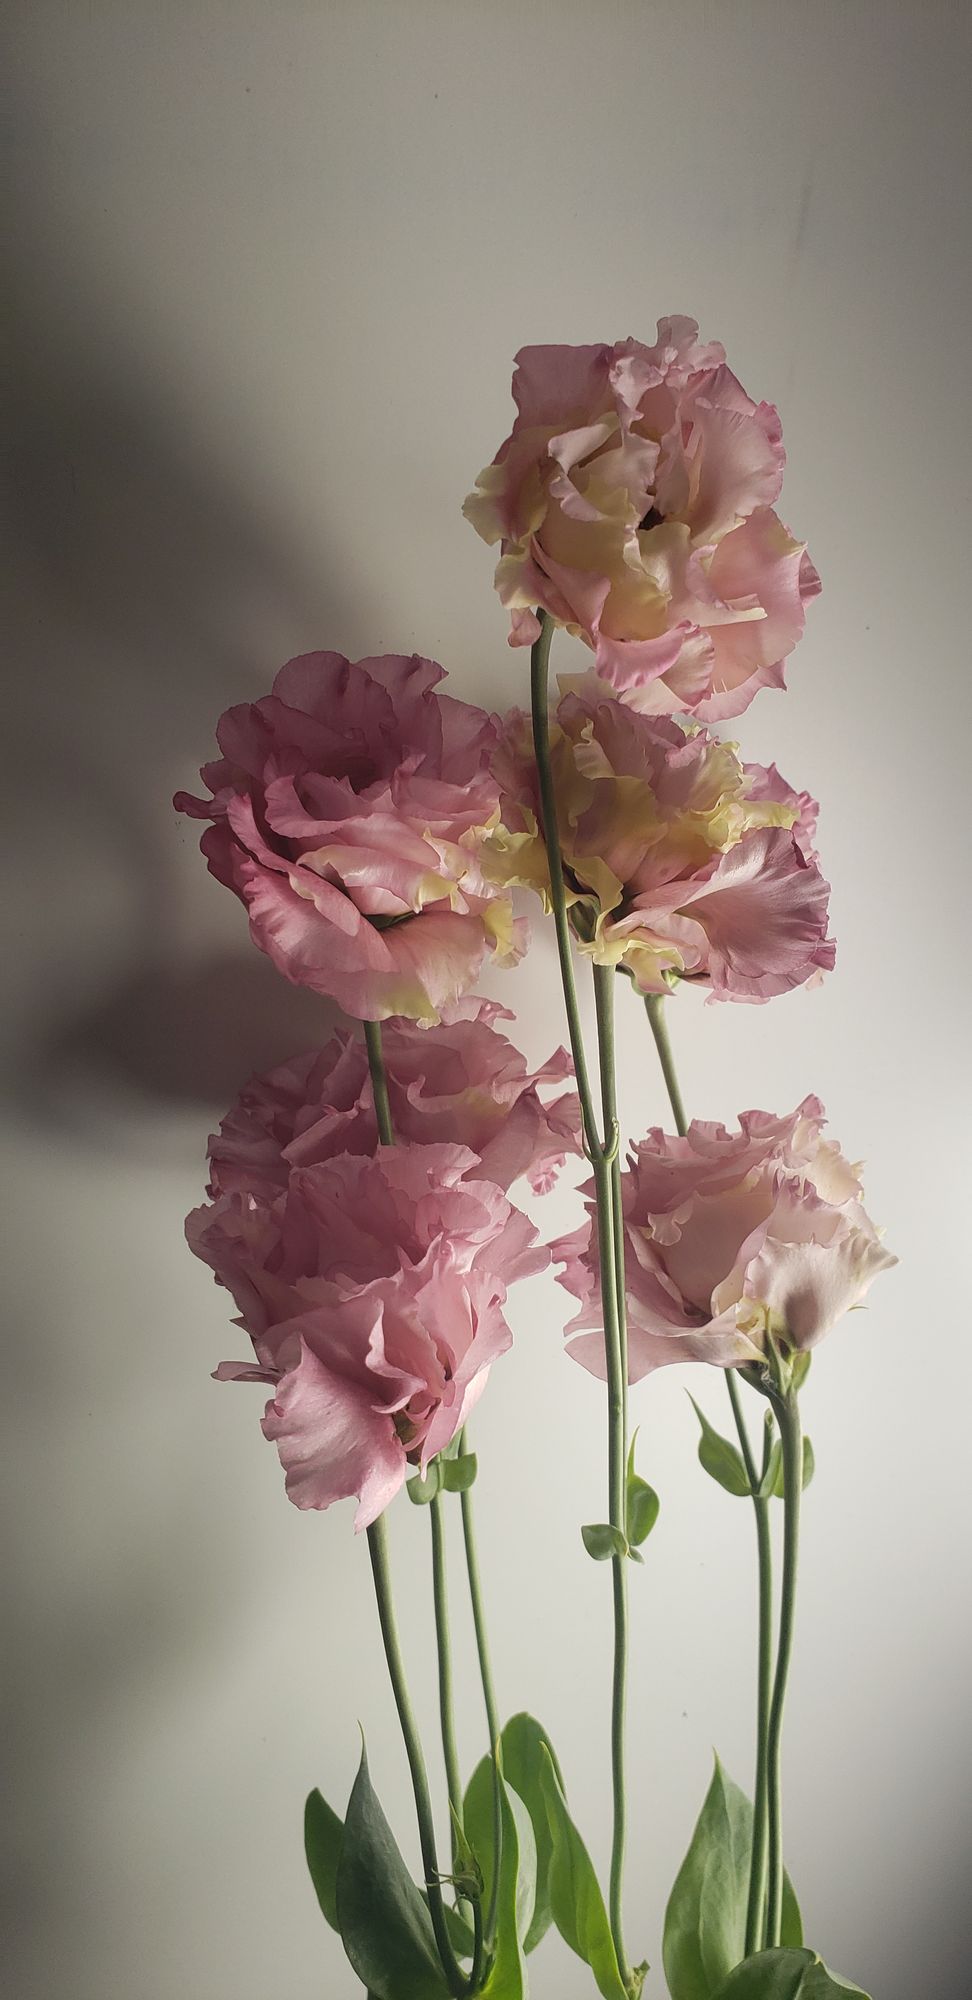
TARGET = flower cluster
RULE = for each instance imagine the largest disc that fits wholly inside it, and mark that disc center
(730, 1238)
(348, 809)
(633, 501)
(679, 858)
(372, 1283)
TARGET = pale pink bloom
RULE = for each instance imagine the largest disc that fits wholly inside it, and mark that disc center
(633, 501)
(729, 1237)
(681, 861)
(463, 1083)
(348, 810)
(373, 1293)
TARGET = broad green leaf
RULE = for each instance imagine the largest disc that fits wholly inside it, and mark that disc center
(641, 1503)
(507, 1978)
(771, 1484)
(575, 1897)
(720, 1459)
(525, 1747)
(323, 1834)
(382, 1916)
(458, 1474)
(602, 1541)
(705, 1922)
(786, 1975)
(423, 1489)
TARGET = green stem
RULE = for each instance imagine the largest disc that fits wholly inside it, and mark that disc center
(379, 1082)
(615, 1349)
(788, 1417)
(443, 1647)
(655, 1010)
(764, 1655)
(378, 1545)
(602, 1152)
(489, 1694)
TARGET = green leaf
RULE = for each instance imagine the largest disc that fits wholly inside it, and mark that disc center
(705, 1922)
(421, 1490)
(641, 1504)
(602, 1541)
(524, 1745)
(771, 1484)
(507, 1978)
(458, 1474)
(323, 1834)
(525, 1748)
(786, 1975)
(383, 1918)
(575, 1897)
(720, 1459)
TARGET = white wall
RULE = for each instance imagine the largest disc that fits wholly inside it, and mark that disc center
(271, 264)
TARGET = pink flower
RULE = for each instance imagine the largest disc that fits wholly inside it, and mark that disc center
(633, 501)
(464, 1084)
(348, 810)
(730, 1237)
(681, 860)
(373, 1293)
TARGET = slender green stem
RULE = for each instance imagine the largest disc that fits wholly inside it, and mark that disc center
(539, 659)
(444, 1649)
(379, 1081)
(617, 1373)
(788, 1417)
(602, 1152)
(764, 1656)
(378, 1545)
(655, 1010)
(489, 1693)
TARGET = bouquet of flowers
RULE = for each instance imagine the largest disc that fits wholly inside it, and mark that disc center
(359, 1206)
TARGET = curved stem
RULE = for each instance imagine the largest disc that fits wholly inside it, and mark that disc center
(447, 1718)
(602, 1152)
(489, 1694)
(764, 1656)
(378, 1546)
(788, 1417)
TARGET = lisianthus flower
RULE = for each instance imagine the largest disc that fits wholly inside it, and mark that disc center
(680, 860)
(633, 501)
(348, 810)
(464, 1084)
(373, 1291)
(729, 1238)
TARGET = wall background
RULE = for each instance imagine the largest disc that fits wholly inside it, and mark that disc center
(270, 265)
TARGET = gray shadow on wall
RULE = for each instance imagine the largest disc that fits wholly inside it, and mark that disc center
(140, 575)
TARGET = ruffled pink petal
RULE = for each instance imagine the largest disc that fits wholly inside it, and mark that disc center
(332, 1443)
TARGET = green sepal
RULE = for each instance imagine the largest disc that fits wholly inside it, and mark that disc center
(720, 1459)
(421, 1490)
(799, 1370)
(705, 1921)
(771, 1484)
(602, 1541)
(458, 1474)
(786, 1975)
(523, 1746)
(467, 1874)
(641, 1504)
(575, 1895)
(382, 1916)
(323, 1835)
